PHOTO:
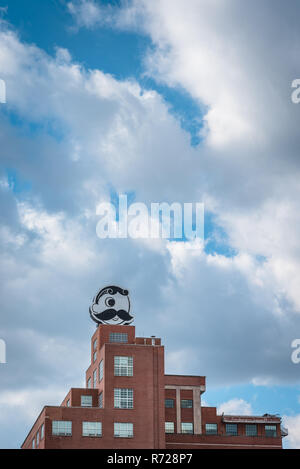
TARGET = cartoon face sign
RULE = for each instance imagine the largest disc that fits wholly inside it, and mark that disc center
(111, 305)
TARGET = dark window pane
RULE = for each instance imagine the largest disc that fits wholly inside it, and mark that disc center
(186, 403)
(169, 403)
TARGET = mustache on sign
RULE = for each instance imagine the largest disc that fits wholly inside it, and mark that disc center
(111, 313)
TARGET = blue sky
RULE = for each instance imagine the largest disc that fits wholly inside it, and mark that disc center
(122, 97)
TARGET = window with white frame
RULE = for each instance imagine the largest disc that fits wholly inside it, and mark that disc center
(231, 429)
(123, 366)
(270, 430)
(42, 431)
(91, 428)
(95, 377)
(89, 383)
(37, 439)
(123, 398)
(251, 429)
(62, 427)
(86, 401)
(101, 400)
(123, 430)
(186, 403)
(101, 370)
(169, 427)
(118, 337)
(169, 403)
(33, 444)
(187, 427)
(211, 428)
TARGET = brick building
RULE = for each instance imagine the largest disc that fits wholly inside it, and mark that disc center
(129, 402)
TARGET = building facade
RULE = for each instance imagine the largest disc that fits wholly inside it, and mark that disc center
(129, 402)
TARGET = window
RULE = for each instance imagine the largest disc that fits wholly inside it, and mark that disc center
(95, 345)
(101, 400)
(62, 427)
(86, 401)
(169, 403)
(186, 404)
(37, 439)
(95, 377)
(169, 427)
(101, 370)
(91, 428)
(68, 403)
(270, 430)
(89, 383)
(123, 398)
(231, 429)
(123, 430)
(123, 366)
(42, 431)
(251, 429)
(211, 428)
(118, 337)
(33, 443)
(94, 356)
(187, 427)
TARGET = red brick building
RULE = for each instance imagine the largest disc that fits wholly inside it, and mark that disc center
(129, 402)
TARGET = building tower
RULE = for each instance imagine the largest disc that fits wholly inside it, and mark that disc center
(129, 401)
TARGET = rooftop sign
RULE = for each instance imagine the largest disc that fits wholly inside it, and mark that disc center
(111, 306)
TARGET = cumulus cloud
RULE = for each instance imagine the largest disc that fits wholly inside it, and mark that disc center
(228, 62)
(235, 407)
(59, 229)
(91, 14)
(86, 12)
(292, 422)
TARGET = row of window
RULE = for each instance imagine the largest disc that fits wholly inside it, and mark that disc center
(38, 437)
(125, 430)
(64, 428)
(119, 337)
(123, 366)
(186, 427)
(185, 403)
(123, 399)
(232, 429)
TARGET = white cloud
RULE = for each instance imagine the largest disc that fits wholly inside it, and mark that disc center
(233, 68)
(60, 241)
(90, 14)
(86, 12)
(292, 422)
(235, 407)
(262, 381)
(211, 51)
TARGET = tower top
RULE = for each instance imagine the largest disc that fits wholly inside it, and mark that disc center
(111, 306)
